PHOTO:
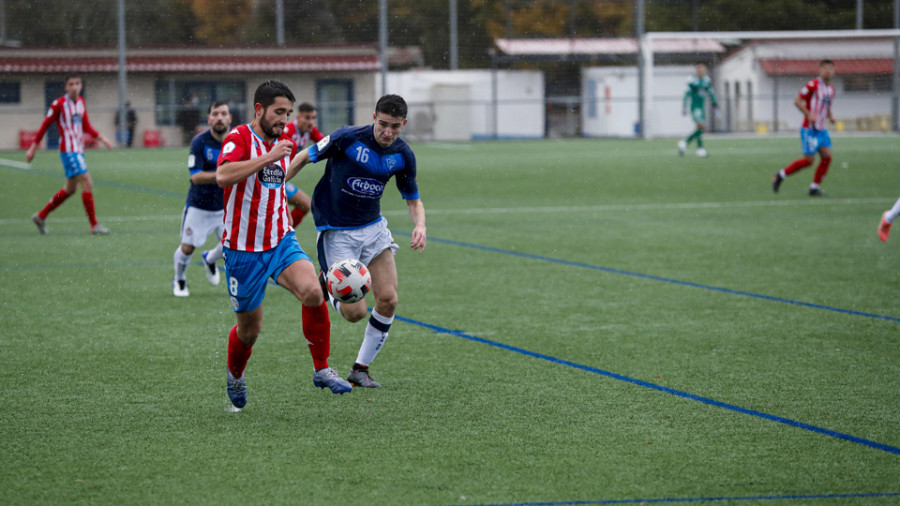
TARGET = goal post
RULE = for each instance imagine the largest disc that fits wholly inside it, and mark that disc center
(646, 44)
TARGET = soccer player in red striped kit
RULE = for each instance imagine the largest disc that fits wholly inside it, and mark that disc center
(69, 112)
(814, 101)
(259, 242)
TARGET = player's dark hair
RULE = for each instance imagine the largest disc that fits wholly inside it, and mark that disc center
(267, 92)
(826, 62)
(392, 105)
(217, 103)
(306, 107)
(72, 76)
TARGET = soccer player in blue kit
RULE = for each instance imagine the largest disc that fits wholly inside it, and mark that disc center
(346, 207)
(204, 208)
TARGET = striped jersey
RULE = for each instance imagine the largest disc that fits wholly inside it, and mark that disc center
(256, 211)
(818, 97)
(302, 139)
(71, 119)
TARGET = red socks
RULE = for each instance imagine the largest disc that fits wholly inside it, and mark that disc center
(238, 354)
(821, 170)
(88, 200)
(317, 330)
(54, 202)
(297, 215)
(796, 165)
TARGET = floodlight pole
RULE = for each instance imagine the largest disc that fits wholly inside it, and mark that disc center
(895, 109)
(123, 79)
(279, 22)
(454, 40)
(859, 14)
(383, 43)
(642, 54)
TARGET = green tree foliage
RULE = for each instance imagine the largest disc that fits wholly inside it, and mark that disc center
(221, 22)
(422, 23)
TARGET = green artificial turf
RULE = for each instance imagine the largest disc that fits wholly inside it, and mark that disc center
(593, 321)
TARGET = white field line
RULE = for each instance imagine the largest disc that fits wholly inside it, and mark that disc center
(611, 208)
(649, 206)
(15, 164)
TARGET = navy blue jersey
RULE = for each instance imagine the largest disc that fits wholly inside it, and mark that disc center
(348, 195)
(204, 156)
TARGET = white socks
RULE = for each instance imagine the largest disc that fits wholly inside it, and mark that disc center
(889, 217)
(181, 263)
(213, 255)
(376, 333)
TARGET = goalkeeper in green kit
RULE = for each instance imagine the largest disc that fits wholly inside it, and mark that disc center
(699, 86)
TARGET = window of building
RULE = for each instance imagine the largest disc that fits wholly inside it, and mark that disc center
(184, 103)
(334, 101)
(867, 83)
(10, 93)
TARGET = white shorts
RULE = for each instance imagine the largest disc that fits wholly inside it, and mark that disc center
(362, 244)
(197, 224)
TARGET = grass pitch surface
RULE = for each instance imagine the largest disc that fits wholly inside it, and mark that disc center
(592, 322)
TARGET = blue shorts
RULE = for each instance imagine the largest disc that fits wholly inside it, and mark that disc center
(248, 271)
(291, 190)
(73, 163)
(813, 139)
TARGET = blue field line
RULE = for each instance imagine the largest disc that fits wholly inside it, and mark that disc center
(663, 279)
(773, 418)
(702, 499)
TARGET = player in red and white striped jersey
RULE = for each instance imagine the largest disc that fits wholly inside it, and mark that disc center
(69, 112)
(302, 131)
(814, 101)
(259, 242)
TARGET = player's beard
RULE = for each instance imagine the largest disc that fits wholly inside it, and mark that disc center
(270, 129)
(220, 128)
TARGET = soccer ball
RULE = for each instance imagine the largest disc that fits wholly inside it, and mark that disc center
(348, 280)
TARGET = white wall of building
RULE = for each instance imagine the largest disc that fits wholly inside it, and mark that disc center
(759, 102)
(458, 106)
(610, 97)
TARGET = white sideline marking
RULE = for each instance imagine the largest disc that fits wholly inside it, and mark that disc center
(15, 164)
(648, 206)
(545, 209)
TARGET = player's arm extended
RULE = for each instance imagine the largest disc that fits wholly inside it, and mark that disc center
(230, 173)
(417, 214)
(297, 163)
(204, 177)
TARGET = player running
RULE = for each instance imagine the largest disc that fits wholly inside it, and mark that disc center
(302, 130)
(204, 209)
(346, 207)
(814, 101)
(260, 243)
(69, 112)
(699, 86)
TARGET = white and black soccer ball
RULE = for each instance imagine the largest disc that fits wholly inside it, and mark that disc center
(348, 280)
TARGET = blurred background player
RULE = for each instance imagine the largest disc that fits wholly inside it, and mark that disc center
(698, 87)
(347, 212)
(302, 131)
(204, 209)
(260, 243)
(814, 101)
(69, 112)
(887, 218)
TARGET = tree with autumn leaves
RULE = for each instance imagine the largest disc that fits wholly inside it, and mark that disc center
(422, 23)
